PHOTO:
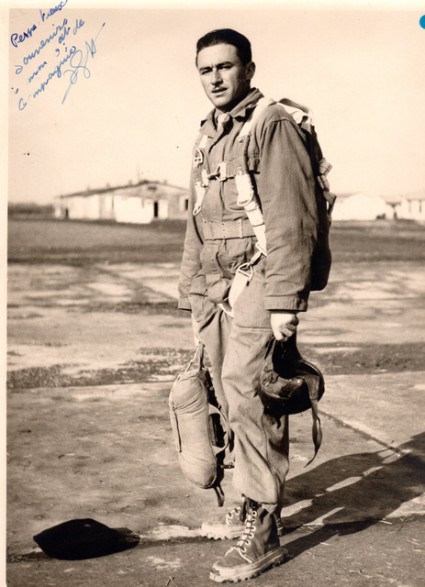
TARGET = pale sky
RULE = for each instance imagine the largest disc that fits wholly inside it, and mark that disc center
(136, 114)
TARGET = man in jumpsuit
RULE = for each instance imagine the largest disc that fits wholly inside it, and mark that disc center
(218, 240)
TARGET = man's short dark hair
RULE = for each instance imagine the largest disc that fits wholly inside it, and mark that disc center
(228, 37)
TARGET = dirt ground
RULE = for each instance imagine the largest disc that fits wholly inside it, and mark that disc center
(93, 348)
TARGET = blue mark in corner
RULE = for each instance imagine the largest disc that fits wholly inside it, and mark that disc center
(422, 21)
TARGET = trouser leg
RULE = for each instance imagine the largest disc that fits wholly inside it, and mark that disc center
(261, 441)
(214, 327)
(236, 349)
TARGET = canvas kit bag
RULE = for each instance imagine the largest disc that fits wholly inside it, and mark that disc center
(199, 427)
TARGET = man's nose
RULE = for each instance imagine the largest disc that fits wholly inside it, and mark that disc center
(216, 76)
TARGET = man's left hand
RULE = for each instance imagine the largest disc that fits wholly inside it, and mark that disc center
(284, 324)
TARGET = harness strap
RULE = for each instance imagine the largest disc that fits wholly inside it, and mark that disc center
(219, 494)
(203, 142)
(227, 230)
(202, 182)
(240, 280)
(259, 108)
(301, 114)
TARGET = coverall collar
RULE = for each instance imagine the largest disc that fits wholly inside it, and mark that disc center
(239, 112)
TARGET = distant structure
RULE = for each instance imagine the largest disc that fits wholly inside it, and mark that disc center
(138, 203)
(409, 206)
(145, 201)
(362, 206)
(359, 206)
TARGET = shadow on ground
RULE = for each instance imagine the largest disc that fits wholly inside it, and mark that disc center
(364, 488)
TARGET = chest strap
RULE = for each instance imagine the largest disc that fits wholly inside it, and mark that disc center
(228, 229)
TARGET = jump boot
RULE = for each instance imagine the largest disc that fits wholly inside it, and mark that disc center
(233, 524)
(256, 550)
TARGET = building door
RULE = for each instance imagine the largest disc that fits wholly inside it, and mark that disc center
(155, 209)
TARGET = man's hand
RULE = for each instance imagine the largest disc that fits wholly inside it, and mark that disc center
(284, 324)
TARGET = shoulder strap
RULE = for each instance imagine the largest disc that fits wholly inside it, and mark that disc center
(250, 123)
(246, 193)
(200, 174)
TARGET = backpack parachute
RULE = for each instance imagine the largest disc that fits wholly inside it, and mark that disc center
(322, 258)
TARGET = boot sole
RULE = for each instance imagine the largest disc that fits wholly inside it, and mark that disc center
(249, 571)
(225, 534)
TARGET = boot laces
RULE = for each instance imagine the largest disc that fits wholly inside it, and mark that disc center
(237, 512)
(233, 513)
(248, 533)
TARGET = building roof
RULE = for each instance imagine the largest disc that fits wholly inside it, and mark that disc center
(108, 189)
(389, 199)
(417, 195)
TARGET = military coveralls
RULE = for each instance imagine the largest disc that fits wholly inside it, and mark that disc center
(217, 241)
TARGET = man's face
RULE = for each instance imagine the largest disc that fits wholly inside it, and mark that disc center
(223, 76)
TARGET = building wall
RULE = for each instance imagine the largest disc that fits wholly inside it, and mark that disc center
(138, 204)
(411, 209)
(133, 209)
(359, 207)
(83, 208)
(107, 207)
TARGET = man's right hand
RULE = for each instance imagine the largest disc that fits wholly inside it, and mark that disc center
(283, 324)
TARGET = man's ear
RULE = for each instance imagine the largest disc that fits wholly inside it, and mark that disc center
(250, 70)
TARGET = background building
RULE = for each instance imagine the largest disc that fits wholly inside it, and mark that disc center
(362, 206)
(409, 206)
(138, 203)
(359, 206)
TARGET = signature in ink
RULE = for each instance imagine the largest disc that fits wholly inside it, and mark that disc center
(78, 63)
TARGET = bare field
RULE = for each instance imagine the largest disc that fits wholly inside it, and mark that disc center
(88, 273)
(74, 242)
(77, 243)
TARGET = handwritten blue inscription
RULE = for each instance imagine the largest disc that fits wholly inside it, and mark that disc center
(52, 53)
(17, 38)
(46, 15)
(78, 63)
(56, 72)
(37, 71)
(43, 43)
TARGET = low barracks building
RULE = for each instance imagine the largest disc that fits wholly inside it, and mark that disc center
(145, 201)
(138, 203)
(360, 206)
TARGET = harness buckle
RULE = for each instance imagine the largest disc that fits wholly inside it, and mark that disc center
(247, 270)
(198, 158)
(219, 173)
(205, 178)
(260, 251)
